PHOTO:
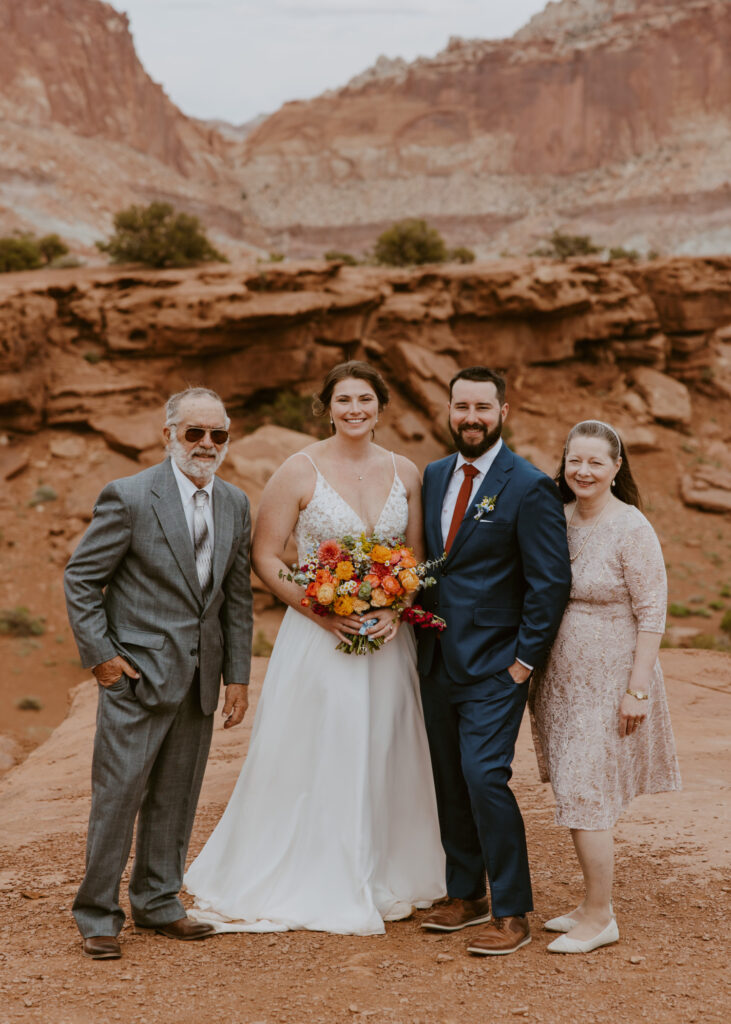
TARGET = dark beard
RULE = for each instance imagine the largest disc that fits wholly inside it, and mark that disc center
(474, 451)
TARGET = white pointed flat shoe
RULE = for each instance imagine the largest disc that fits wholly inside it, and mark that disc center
(560, 924)
(563, 944)
(565, 923)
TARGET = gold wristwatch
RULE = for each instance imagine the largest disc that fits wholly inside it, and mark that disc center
(639, 694)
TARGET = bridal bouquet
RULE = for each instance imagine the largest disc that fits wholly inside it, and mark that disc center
(358, 575)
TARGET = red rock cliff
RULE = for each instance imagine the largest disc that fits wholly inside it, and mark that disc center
(611, 114)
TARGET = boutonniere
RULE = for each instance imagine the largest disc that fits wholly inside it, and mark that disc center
(485, 506)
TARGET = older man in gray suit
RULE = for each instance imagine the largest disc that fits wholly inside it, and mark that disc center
(159, 599)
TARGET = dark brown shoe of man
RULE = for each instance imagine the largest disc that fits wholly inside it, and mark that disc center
(456, 914)
(102, 947)
(502, 935)
(186, 930)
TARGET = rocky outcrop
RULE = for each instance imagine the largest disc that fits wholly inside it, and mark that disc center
(81, 346)
(103, 348)
(604, 117)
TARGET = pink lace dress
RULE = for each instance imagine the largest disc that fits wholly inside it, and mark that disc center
(619, 587)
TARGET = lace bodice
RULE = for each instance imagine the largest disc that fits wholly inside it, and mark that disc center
(328, 514)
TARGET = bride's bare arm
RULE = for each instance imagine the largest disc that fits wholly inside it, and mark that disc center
(412, 482)
(286, 494)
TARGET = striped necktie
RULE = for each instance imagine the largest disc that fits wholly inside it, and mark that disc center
(202, 541)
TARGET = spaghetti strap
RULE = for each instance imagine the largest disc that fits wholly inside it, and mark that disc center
(307, 457)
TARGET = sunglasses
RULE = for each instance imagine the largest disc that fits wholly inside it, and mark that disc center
(193, 434)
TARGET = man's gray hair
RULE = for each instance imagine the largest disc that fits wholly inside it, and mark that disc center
(172, 407)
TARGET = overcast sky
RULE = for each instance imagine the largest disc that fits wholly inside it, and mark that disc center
(234, 59)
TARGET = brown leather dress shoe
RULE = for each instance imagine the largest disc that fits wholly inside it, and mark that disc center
(102, 947)
(186, 930)
(502, 935)
(456, 914)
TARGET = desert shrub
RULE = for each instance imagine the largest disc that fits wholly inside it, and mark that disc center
(461, 255)
(679, 611)
(718, 606)
(261, 647)
(29, 703)
(562, 246)
(725, 591)
(66, 262)
(52, 248)
(335, 256)
(158, 236)
(42, 494)
(19, 622)
(410, 242)
(19, 252)
(618, 252)
(726, 622)
(26, 252)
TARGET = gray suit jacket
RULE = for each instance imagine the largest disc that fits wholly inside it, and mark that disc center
(132, 589)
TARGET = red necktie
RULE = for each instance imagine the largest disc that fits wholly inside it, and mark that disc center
(462, 499)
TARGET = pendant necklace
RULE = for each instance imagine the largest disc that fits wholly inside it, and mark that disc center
(594, 525)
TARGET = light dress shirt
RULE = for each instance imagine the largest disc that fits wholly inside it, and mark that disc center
(482, 465)
(187, 491)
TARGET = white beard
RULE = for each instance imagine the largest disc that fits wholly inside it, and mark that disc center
(188, 463)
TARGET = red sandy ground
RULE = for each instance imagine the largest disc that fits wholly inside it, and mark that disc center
(671, 897)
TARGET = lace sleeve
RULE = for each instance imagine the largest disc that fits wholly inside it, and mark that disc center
(644, 574)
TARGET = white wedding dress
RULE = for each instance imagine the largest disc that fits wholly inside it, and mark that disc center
(332, 825)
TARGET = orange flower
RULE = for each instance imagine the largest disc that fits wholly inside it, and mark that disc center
(343, 605)
(375, 581)
(323, 576)
(360, 606)
(305, 602)
(326, 593)
(409, 581)
(380, 599)
(344, 570)
(312, 590)
(329, 553)
(380, 553)
(407, 559)
(392, 586)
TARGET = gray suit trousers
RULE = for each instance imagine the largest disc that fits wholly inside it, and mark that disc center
(149, 763)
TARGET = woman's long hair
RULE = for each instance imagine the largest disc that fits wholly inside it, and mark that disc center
(623, 486)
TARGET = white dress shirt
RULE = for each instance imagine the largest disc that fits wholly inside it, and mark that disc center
(187, 491)
(482, 465)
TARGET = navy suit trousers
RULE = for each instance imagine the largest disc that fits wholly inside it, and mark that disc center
(472, 731)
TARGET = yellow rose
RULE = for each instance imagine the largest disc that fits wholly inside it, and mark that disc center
(380, 553)
(326, 593)
(409, 581)
(344, 570)
(379, 598)
(343, 605)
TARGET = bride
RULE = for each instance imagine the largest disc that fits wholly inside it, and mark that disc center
(332, 825)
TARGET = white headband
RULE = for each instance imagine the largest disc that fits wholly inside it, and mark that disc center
(600, 423)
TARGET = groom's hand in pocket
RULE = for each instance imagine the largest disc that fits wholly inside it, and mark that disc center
(519, 672)
(235, 704)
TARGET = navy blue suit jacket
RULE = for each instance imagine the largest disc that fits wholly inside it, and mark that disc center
(505, 583)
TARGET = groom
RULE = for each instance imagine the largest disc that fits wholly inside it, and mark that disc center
(159, 599)
(502, 590)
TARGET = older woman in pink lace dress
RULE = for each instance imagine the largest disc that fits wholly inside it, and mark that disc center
(599, 703)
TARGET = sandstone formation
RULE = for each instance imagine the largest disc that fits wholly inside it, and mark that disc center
(100, 350)
(602, 116)
(84, 131)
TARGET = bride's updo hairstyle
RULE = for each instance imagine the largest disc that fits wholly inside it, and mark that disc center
(623, 485)
(358, 370)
